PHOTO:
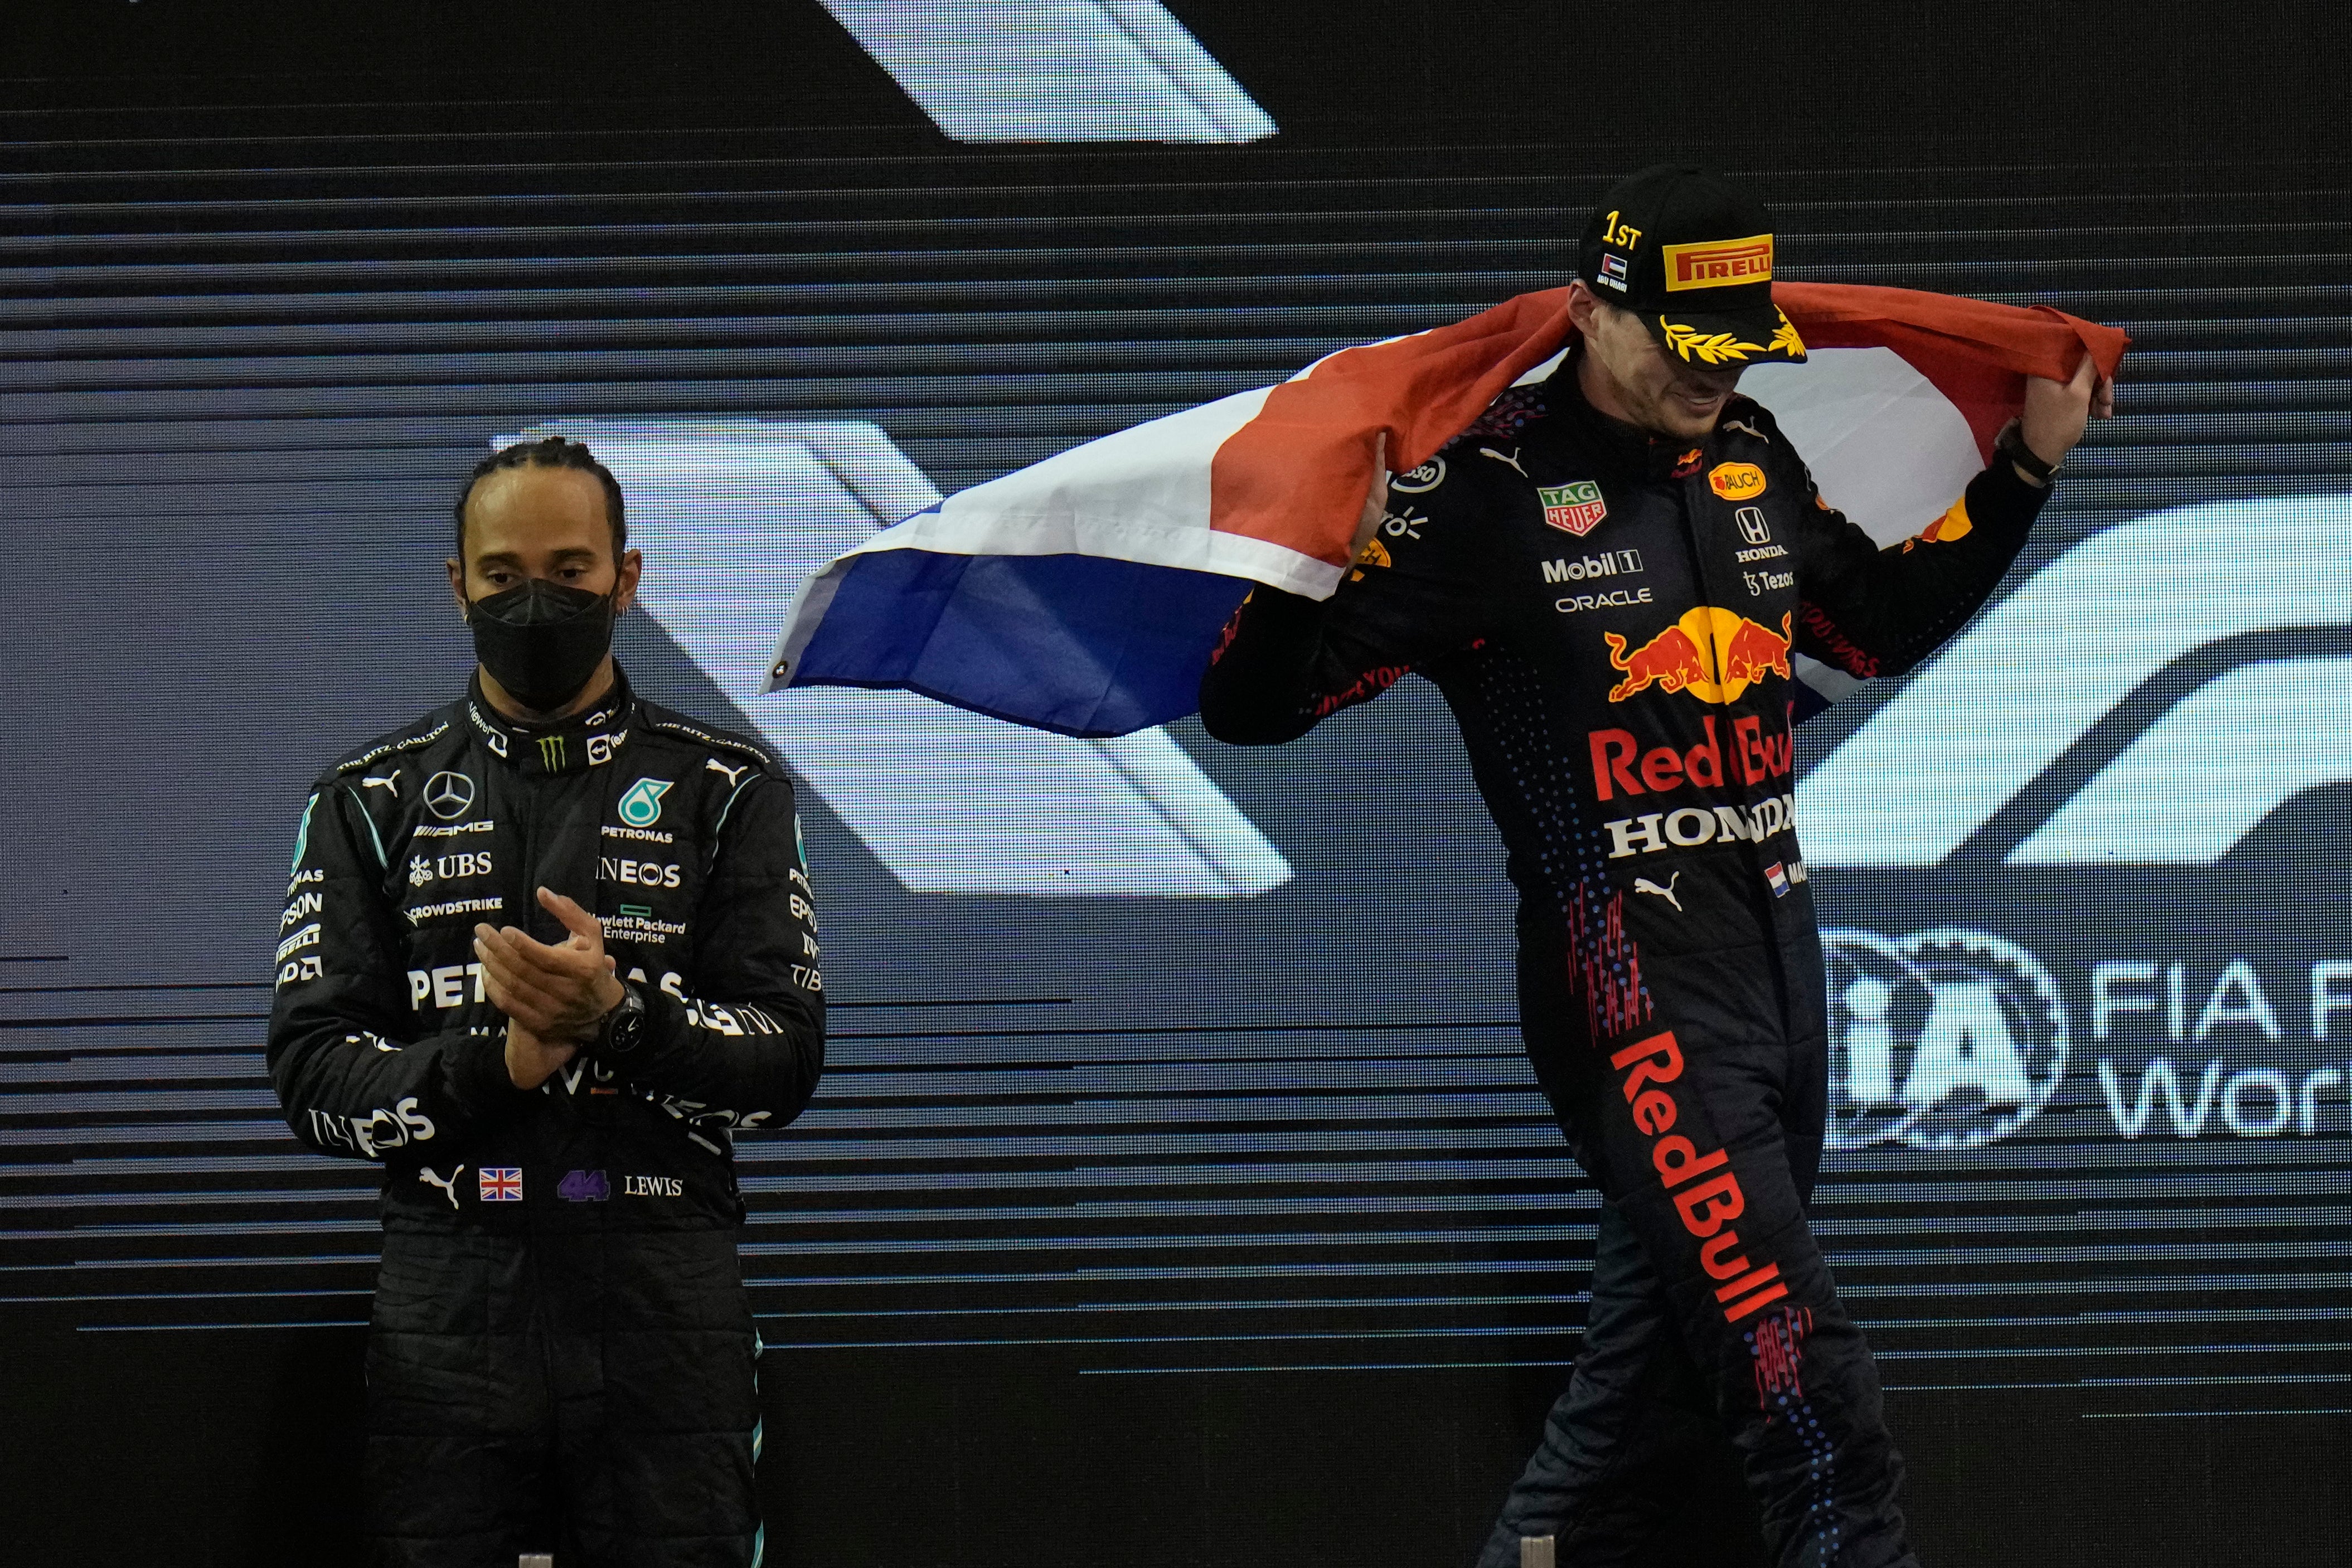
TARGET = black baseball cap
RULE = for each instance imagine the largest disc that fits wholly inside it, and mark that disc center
(1693, 258)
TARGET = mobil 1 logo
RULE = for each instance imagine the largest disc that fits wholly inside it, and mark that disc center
(1944, 1039)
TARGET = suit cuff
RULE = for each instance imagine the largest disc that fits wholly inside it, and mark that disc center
(474, 1069)
(2002, 501)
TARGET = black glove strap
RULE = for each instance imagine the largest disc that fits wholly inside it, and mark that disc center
(2011, 444)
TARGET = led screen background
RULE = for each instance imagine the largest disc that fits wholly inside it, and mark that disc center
(1154, 1128)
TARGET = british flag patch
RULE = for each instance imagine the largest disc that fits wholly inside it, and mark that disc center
(501, 1184)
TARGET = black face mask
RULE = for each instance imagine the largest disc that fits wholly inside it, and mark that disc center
(541, 641)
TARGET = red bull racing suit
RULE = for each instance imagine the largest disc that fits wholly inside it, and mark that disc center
(1613, 618)
(562, 1353)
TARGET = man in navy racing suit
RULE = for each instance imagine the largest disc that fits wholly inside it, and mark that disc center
(1607, 576)
(544, 953)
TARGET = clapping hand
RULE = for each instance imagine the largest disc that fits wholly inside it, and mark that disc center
(554, 995)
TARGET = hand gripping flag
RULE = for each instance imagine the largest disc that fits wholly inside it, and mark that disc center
(1082, 594)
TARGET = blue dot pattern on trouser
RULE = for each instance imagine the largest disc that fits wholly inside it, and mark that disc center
(1776, 1344)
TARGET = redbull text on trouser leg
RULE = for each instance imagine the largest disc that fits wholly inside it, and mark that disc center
(1707, 1194)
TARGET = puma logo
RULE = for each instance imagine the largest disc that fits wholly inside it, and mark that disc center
(1743, 426)
(391, 783)
(1513, 460)
(1643, 884)
(732, 773)
(446, 1184)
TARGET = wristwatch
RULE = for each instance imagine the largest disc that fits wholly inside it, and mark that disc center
(2011, 444)
(623, 1029)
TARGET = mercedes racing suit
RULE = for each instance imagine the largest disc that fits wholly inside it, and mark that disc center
(561, 1348)
(1612, 619)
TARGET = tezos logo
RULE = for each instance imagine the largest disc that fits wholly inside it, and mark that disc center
(449, 794)
(1946, 1039)
(641, 805)
(1414, 481)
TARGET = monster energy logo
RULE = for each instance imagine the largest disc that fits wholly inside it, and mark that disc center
(551, 752)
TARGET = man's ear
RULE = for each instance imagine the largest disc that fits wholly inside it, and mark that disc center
(624, 586)
(457, 584)
(1583, 305)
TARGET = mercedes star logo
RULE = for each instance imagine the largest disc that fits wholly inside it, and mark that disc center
(450, 795)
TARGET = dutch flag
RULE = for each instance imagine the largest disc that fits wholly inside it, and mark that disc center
(1082, 594)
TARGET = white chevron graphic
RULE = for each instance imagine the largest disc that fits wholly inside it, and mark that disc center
(2048, 662)
(1054, 70)
(2206, 774)
(734, 515)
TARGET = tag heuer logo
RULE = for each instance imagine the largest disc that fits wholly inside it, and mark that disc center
(1575, 508)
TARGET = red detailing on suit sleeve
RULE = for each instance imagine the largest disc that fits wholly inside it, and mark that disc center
(1608, 965)
(1779, 1342)
(1507, 415)
(1843, 651)
(1233, 629)
(1362, 689)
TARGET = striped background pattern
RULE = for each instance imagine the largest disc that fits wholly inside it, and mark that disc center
(187, 324)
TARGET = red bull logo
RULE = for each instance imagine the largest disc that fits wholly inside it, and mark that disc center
(1714, 654)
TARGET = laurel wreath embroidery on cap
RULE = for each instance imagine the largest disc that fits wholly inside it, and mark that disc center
(1785, 340)
(1712, 348)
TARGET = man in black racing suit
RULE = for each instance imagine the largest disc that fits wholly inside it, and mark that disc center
(1607, 576)
(545, 952)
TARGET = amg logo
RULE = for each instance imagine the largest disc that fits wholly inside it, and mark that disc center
(443, 830)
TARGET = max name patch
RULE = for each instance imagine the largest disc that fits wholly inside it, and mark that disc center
(1575, 508)
(1719, 263)
(1735, 481)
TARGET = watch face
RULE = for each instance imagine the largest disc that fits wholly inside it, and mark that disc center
(627, 1024)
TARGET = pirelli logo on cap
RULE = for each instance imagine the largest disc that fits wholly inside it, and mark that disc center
(1719, 263)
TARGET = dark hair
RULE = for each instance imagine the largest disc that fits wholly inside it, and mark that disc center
(554, 451)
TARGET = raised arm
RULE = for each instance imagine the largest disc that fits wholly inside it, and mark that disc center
(1872, 611)
(1285, 660)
